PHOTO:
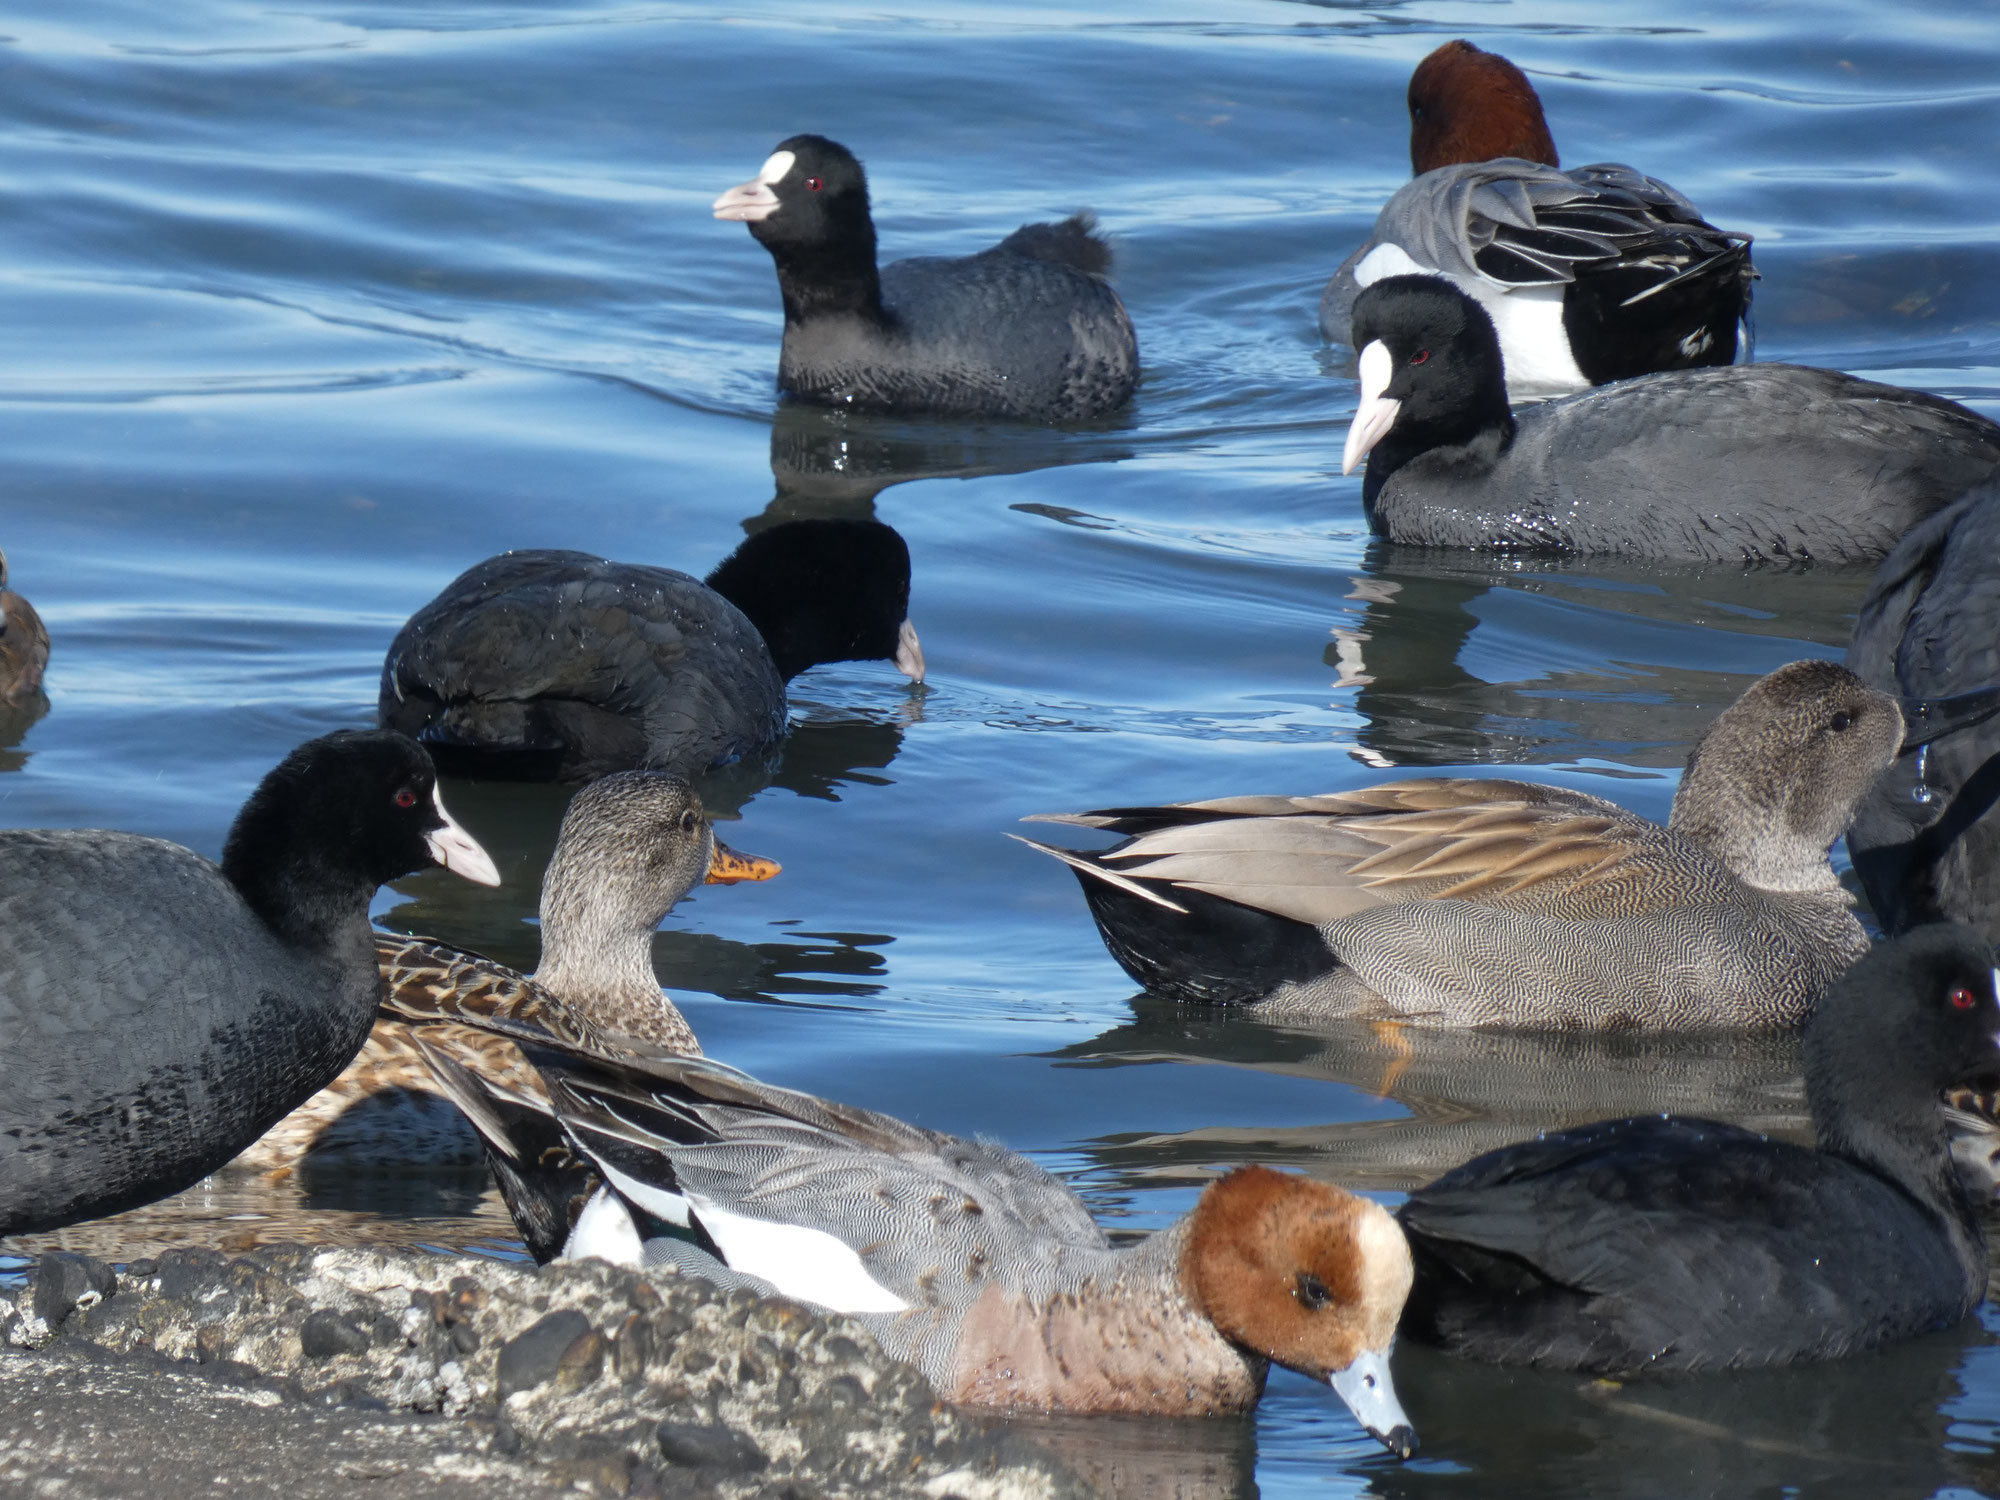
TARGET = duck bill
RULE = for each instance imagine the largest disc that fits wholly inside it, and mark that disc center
(909, 653)
(727, 867)
(1928, 719)
(1376, 413)
(1370, 1394)
(457, 850)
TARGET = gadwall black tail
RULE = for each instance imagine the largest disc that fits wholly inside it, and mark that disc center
(630, 847)
(1474, 902)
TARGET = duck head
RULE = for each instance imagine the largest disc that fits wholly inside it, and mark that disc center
(1311, 1277)
(1469, 105)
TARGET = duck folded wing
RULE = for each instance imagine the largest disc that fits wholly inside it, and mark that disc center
(1335, 857)
(1516, 223)
(1606, 1246)
(790, 1187)
(425, 982)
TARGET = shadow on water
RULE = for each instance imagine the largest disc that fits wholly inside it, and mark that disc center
(1462, 658)
(1419, 1102)
(834, 463)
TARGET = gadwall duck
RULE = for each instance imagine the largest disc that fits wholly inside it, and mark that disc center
(162, 1012)
(1474, 902)
(24, 645)
(1744, 464)
(1592, 275)
(1667, 1244)
(1028, 330)
(1922, 843)
(561, 665)
(968, 1260)
(630, 847)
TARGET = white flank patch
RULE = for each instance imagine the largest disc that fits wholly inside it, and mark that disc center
(808, 1264)
(775, 167)
(1529, 320)
(662, 1203)
(605, 1231)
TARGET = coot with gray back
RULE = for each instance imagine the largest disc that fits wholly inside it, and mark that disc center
(1591, 275)
(561, 665)
(1923, 841)
(1465, 902)
(1666, 1244)
(1029, 329)
(1749, 463)
(161, 1011)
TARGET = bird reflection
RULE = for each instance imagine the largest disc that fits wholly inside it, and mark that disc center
(16, 719)
(1453, 652)
(834, 463)
(1459, 1092)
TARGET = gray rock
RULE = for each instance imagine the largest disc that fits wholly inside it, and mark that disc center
(466, 1376)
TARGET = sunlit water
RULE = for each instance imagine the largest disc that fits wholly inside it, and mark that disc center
(309, 307)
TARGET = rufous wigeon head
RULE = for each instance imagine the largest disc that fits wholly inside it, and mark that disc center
(1468, 105)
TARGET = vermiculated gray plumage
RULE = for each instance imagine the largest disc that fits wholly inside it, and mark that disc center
(1477, 902)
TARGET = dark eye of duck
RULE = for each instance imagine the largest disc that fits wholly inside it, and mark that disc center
(1962, 998)
(1311, 1291)
(813, 184)
(689, 821)
(1420, 356)
(1840, 721)
(406, 798)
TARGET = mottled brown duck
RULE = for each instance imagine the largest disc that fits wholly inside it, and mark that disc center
(630, 846)
(24, 645)
(1474, 902)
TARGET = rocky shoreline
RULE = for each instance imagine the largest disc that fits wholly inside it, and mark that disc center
(324, 1372)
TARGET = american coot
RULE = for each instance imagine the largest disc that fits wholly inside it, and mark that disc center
(1028, 329)
(630, 847)
(972, 1262)
(561, 665)
(1592, 275)
(162, 1012)
(24, 645)
(1931, 624)
(1751, 463)
(1666, 1244)
(1474, 902)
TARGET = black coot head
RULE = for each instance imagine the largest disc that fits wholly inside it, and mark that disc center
(810, 193)
(1923, 1005)
(1430, 366)
(348, 810)
(823, 591)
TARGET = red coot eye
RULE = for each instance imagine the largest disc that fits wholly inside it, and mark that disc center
(1962, 998)
(813, 184)
(406, 798)
(1420, 356)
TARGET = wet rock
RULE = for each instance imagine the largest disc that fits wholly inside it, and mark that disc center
(532, 1358)
(709, 1447)
(326, 1333)
(576, 1378)
(65, 1282)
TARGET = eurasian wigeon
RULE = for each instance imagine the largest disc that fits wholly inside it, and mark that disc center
(162, 1011)
(1665, 1244)
(1753, 463)
(962, 1257)
(537, 665)
(24, 645)
(1029, 329)
(1476, 902)
(1591, 275)
(630, 847)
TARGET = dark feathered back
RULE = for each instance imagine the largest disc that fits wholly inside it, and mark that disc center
(1072, 242)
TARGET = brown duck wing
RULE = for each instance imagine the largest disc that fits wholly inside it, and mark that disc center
(1326, 859)
(426, 982)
